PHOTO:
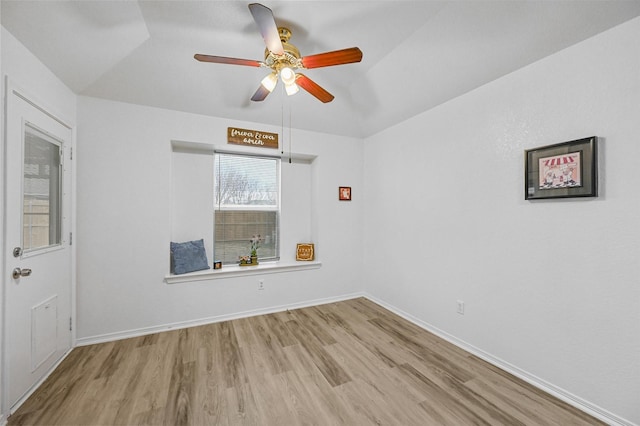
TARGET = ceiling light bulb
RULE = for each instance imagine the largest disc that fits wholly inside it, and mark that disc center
(287, 75)
(291, 89)
(269, 82)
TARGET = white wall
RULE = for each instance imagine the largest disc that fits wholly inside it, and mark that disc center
(2, 250)
(125, 222)
(550, 287)
(28, 74)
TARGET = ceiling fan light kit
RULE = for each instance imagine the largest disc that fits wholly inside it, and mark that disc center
(270, 81)
(287, 75)
(291, 89)
(284, 59)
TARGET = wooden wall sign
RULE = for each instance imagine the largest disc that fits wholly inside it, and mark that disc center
(304, 252)
(252, 138)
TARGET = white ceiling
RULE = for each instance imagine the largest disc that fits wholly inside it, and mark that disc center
(417, 54)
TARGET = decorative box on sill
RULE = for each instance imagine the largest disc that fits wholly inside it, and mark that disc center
(249, 261)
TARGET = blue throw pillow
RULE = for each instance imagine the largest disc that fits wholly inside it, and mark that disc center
(188, 257)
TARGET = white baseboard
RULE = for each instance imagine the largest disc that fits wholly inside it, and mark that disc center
(110, 337)
(568, 397)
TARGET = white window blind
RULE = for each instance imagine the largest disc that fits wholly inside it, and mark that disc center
(247, 203)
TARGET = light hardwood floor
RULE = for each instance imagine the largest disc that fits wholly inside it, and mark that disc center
(346, 363)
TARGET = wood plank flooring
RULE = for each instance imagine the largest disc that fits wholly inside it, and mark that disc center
(346, 363)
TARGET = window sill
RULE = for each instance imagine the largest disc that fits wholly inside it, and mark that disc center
(242, 271)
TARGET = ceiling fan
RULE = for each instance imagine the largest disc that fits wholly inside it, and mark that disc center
(284, 59)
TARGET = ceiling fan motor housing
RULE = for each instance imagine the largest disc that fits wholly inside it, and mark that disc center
(290, 58)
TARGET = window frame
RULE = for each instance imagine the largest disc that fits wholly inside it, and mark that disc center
(55, 205)
(277, 208)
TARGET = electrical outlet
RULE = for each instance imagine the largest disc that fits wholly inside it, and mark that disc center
(260, 284)
(461, 307)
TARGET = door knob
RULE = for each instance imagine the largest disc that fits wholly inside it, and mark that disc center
(17, 273)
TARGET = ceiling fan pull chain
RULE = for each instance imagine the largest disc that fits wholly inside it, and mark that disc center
(282, 124)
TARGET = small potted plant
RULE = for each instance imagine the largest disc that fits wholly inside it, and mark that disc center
(255, 243)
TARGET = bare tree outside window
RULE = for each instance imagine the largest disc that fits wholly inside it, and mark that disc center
(236, 188)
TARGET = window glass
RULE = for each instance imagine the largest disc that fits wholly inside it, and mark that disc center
(247, 204)
(41, 206)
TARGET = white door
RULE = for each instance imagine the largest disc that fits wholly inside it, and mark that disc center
(37, 246)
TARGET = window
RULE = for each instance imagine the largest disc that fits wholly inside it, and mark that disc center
(247, 203)
(41, 212)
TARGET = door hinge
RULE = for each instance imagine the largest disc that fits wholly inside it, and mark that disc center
(70, 238)
(71, 153)
(70, 324)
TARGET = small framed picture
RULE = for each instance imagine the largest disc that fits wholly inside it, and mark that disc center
(344, 193)
(304, 251)
(217, 265)
(563, 170)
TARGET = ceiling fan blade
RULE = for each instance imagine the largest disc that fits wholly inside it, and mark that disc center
(312, 87)
(268, 28)
(225, 60)
(337, 57)
(260, 94)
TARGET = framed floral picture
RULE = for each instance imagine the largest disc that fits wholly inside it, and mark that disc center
(344, 193)
(563, 170)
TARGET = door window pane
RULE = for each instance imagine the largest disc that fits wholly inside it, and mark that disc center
(41, 207)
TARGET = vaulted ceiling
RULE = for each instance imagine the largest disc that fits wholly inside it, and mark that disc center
(417, 54)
